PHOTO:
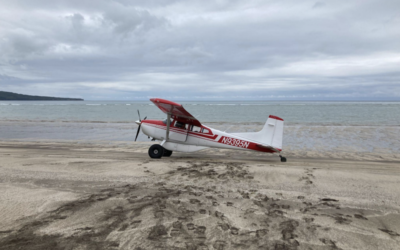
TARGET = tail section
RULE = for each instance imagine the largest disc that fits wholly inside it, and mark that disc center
(270, 135)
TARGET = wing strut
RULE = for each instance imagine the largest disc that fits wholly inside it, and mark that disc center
(168, 125)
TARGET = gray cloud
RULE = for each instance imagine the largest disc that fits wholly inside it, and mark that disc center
(201, 49)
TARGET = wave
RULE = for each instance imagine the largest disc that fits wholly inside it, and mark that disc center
(222, 104)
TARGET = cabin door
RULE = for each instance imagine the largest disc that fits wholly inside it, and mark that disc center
(178, 132)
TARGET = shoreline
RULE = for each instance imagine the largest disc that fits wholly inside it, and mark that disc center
(300, 143)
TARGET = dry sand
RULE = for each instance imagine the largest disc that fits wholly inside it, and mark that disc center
(72, 195)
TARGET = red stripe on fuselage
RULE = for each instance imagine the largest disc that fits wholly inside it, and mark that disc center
(239, 143)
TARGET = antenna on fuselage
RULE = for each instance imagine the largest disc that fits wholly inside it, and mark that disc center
(228, 128)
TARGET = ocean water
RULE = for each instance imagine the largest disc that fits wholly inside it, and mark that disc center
(311, 113)
(351, 126)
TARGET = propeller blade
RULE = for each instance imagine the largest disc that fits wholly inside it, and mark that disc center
(145, 118)
(138, 130)
(139, 115)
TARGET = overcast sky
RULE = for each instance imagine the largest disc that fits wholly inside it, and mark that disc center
(201, 50)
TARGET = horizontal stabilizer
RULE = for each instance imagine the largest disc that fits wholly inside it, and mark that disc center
(268, 147)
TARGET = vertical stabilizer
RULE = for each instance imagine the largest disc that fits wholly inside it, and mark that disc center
(272, 133)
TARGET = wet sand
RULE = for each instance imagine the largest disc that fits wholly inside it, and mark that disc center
(72, 195)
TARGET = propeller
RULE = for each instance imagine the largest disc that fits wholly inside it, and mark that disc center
(140, 124)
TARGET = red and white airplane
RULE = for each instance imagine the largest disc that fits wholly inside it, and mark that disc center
(184, 133)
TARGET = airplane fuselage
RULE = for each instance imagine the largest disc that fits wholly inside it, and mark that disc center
(197, 138)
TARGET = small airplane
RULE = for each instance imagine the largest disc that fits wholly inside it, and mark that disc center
(184, 133)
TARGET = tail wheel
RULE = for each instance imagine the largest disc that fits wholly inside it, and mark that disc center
(156, 151)
(283, 159)
(167, 153)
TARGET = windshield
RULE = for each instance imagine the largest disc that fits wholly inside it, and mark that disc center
(165, 122)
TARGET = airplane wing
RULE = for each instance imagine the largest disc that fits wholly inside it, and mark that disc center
(176, 110)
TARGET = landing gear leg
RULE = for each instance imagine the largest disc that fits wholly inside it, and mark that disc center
(283, 159)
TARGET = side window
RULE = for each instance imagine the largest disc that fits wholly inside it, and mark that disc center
(179, 124)
(205, 131)
(196, 129)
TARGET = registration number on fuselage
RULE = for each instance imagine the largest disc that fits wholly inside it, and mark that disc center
(235, 142)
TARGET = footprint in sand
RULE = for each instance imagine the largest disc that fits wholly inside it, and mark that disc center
(359, 216)
(261, 233)
(220, 245)
(190, 226)
(175, 232)
(307, 176)
(194, 201)
(288, 228)
(308, 220)
(223, 226)
(201, 246)
(177, 224)
(219, 214)
(234, 231)
(157, 232)
(245, 195)
(200, 230)
(203, 211)
(341, 220)
(390, 232)
(329, 242)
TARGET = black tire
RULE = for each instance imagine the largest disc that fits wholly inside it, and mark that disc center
(283, 159)
(156, 151)
(167, 153)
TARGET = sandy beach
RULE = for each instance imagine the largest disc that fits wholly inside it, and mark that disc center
(75, 195)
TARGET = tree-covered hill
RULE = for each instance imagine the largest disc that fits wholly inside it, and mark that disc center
(9, 96)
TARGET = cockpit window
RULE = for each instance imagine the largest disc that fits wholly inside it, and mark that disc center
(179, 124)
(206, 131)
(196, 129)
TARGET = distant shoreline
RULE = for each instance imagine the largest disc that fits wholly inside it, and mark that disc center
(61, 99)
(9, 96)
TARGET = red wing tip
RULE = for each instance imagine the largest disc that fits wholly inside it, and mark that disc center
(159, 100)
(275, 117)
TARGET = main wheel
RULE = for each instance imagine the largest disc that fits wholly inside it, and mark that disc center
(156, 151)
(283, 159)
(167, 153)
